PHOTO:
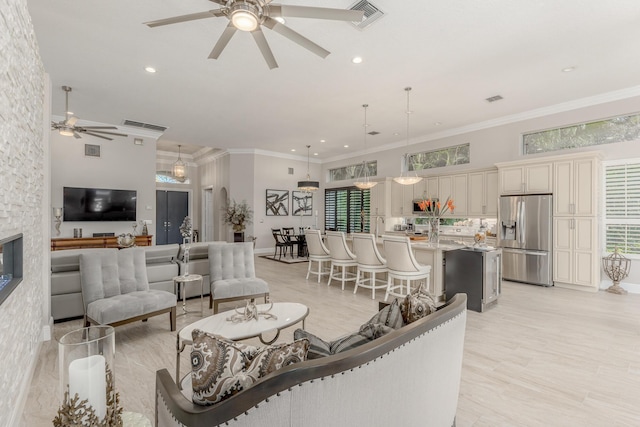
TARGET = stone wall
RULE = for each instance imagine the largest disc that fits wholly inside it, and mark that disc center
(22, 187)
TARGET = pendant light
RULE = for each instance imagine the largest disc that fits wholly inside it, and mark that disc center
(179, 168)
(308, 185)
(364, 183)
(406, 177)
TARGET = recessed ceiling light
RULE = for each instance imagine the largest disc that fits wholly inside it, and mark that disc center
(280, 19)
(568, 69)
(437, 123)
(396, 133)
(70, 113)
(356, 59)
(150, 69)
(293, 149)
(346, 146)
(322, 140)
(315, 154)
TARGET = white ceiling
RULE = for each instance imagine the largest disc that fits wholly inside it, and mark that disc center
(453, 53)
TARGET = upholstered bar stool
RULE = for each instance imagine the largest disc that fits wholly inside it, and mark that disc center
(317, 251)
(369, 261)
(341, 258)
(402, 266)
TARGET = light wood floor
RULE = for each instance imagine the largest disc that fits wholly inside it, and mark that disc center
(541, 357)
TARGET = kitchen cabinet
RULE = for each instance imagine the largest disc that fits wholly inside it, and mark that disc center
(401, 199)
(427, 188)
(526, 179)
(483, 193)
(454, 187)
(377, 200)
(575, 259)
(574, 187)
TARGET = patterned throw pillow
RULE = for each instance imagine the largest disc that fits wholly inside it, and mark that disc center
(222, 368)
(390, 316)
(320, 348)
(317, 346)
(417, 304)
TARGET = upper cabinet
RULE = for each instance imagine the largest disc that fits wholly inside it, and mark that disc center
(575, 187)
(483, 193)
(401, 199)
(454, 187)
(536, 178)
(378, 200)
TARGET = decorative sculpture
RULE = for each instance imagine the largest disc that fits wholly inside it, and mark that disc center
(617, 268)
(251, 312)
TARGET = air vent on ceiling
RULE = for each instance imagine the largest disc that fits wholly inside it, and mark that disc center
(290, 171)
(371, 13)
(374, 132)
(494, 98)
(91, 150)
(135, 124)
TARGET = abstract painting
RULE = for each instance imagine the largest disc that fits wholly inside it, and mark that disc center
(277, 202)
(301, 203)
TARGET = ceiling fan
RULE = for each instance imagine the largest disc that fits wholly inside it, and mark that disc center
(68, 127)
(251, 15)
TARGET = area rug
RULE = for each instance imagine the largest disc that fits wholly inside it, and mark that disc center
(286, 259)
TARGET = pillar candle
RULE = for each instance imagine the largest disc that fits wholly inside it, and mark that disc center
(87, 377)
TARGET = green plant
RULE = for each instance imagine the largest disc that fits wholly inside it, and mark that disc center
(238, 215)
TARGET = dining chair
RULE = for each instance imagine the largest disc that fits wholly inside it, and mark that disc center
(281, 243)
(369, 261)
(318, 253)
(290, 238)
(402, 266)
(341, 258)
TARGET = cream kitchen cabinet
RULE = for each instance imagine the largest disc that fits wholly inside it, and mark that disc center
(483, 193)
(378, 204)
(536, 178)
(454, 187)
(575, 258)
(574, 187)
(427, 188)
(401, 199)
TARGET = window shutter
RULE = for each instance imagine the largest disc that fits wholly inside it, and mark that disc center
(622, 208)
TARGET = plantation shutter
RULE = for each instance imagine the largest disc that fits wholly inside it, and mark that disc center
(622, 208)
(344, 209)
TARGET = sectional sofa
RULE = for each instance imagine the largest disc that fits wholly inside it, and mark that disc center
(163, 262)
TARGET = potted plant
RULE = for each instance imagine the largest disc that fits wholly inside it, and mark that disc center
(238, 215)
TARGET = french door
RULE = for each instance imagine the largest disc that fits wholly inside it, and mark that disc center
(171, 208)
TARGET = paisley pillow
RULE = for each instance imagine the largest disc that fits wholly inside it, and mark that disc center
(417, 304)
(221, 368)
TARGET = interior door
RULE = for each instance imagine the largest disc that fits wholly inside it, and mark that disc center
(171, 208)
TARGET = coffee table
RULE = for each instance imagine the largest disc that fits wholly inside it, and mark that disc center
(287, 313)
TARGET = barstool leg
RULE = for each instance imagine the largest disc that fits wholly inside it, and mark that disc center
(355, 288)
(309, 269)
(372, 278)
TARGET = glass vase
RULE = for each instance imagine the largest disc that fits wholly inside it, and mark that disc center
(434, 230)
(185, 257)
(86, 362)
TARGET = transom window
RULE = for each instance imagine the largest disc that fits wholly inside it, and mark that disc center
(166, 177)
(454, 155)
(353, 171)
(622, 207)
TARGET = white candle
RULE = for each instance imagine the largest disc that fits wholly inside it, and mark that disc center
(57, 212)
(87, 377)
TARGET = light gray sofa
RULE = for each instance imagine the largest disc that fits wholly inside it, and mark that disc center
(163, 264)
(410, 376)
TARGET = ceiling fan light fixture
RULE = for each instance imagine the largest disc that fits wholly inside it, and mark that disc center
(180, 168)
(308, 185)
(64, 131)
(245, 16)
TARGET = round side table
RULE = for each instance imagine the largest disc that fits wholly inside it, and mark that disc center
(183, 280)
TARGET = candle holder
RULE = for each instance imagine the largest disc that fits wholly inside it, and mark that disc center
(87, 383)
(616, 267)
(57, 213)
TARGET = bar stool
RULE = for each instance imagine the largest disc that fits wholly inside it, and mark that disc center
(369, 261)
(317, 252)
(402, 265)
(341, 258)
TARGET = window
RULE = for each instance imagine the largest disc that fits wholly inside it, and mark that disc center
(622, 207)
(346, 209)
(617, 129)
(456, 155)
(353, 171)
(166, 177)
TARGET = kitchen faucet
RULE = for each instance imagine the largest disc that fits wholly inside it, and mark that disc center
(377, 219)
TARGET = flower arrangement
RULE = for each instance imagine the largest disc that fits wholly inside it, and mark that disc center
(186, 229)
(434, 209)
(238, 215)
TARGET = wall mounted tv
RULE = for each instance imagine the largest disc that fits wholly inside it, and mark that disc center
(98, 204)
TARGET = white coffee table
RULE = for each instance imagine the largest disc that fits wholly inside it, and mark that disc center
(287, 313)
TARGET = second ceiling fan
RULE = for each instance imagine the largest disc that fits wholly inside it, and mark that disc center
(251, 15)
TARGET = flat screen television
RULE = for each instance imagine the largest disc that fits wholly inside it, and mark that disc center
(99, 204)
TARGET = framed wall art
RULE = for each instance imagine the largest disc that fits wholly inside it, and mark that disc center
(277, 202)
(301, 203)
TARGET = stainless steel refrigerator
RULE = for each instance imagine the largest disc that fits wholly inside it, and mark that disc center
(525, 236)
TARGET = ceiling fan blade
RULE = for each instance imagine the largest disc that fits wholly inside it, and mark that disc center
(220, 2)
(104, 132)
(99, 136)
(71, 121)
(295, 37)
(98, 127)
(55, 125)
(76, 135)
(261, 41)
(289, 11)
(185, 18)
(223, 41)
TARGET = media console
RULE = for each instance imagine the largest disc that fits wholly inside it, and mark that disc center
(62, 243)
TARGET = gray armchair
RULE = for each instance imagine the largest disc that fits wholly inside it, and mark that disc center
(232, 274)
(115, 288)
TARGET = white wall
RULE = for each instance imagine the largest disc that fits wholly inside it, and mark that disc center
(23, 187)
(122, 165)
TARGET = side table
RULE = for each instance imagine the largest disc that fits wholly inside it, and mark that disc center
(183, 280)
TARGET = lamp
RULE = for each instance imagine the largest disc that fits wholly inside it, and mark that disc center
(364, 183)
(308, 185)
(408, 178)
(57, 213)
(244, 16)
(179, 168)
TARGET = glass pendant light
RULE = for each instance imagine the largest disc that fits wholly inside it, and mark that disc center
(406, 177)
(363, 183)
(308, 185)
(179, 168)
